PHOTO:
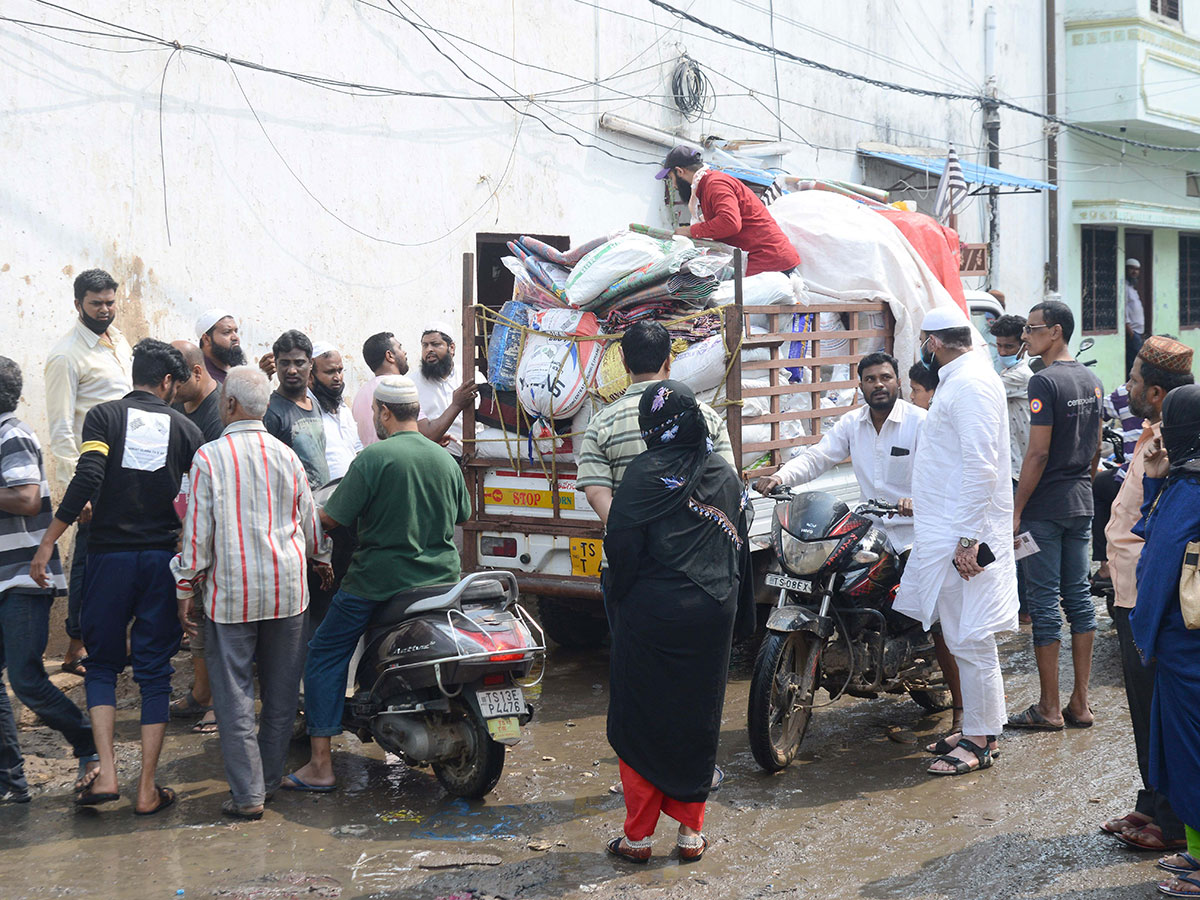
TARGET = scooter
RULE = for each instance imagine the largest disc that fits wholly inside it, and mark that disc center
(833, 625)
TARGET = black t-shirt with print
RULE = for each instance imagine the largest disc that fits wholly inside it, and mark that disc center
(1066, 396)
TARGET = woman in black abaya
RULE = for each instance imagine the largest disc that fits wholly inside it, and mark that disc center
(676, 585)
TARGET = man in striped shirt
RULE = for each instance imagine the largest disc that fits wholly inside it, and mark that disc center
(250, 529)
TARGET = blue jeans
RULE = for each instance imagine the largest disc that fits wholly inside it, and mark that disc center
(329, 654)
(1060, 568)
(124, 586)
(24, 629)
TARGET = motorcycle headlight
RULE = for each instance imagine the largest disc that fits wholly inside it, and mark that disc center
(805, 557)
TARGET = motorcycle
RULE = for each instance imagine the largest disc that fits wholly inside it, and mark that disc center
(833, 625)
(440, 676)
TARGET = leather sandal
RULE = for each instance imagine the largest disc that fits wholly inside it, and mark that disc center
(1150, 837)
(639, 855)
(1129, 820)
(693, 850)
(962, 766)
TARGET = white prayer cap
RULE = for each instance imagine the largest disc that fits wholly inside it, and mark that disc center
(942, 317)
(320, 348)
(396, 389)
(1133, 262)
(209, 318)
(447, 330)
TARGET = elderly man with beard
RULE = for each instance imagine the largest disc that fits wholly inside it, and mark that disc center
(217, 336)
(441, 403)
(88, 366)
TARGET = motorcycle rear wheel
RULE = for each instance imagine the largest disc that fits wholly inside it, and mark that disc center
(474, 774)
(781, 694)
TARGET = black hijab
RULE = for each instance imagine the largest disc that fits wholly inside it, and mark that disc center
(1181, 429)
(692, 498)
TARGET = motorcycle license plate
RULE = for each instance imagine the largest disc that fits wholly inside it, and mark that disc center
(506, 728)
(503, 702)
(790, 584)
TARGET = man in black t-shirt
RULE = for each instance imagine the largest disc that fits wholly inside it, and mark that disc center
(292, 415)
(1054, 504)
(134, 454)
(197, 397)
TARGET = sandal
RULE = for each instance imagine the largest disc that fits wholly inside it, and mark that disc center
(166, 797)
(75, 667)
(1032, 719)
(1190, 864)
(1171, 889)
(88, 797)
(249, 813)
(943, 746)
(1150, 837)
(961, 766)
(1129, 820)
(85, 776)
(1073, 721)
(187, 707)
(693, 850)
(205, 727)
(632, 851)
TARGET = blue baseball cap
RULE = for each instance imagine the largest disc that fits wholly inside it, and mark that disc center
(681, 156)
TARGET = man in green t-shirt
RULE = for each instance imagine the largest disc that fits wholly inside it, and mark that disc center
(405, 494)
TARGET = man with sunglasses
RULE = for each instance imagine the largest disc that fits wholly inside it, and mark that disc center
(1054, 504)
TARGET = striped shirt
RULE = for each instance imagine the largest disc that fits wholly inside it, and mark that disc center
(614, 438)
(21, 464)
(250, 527)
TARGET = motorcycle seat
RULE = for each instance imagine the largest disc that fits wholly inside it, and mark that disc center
(434, 598)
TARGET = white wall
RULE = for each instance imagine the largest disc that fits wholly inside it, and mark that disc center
(84, 184)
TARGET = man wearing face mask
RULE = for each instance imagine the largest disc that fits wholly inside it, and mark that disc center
(962, 502)
(88, 366)
(723, 209)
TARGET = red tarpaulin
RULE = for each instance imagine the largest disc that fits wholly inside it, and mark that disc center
(937, 245)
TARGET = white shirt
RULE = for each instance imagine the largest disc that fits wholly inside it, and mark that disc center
(882, 460)
(81, 371)
(342, 443)
(962, 488)
(1135, 314)
(435, 397)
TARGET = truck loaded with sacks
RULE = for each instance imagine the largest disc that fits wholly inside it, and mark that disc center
(773, 354)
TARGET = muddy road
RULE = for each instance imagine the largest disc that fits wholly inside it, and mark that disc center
(855, 817)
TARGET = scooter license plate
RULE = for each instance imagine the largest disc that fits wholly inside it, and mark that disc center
(503, 702)
(506, 728)
(790, 584)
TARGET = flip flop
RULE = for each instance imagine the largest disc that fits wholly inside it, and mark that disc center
(76, 667)
(88, 797)
(1164, 887)
(1193, 864)
(166, 797)
(1033, 720)
(1150, 837)
(187, 707)
(203, 727)
(1073, 721)
(231, 809)
(1130, 820)
(81, 775)
(297, 785)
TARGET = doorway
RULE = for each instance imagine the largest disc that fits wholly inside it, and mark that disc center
(1139, 245)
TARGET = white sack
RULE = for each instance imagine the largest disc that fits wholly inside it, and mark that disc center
(702, 365)
(610, 262)
(553, 375)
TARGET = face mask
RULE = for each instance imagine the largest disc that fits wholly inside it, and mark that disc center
(96, 325)
(1007, 362)
(928, 360)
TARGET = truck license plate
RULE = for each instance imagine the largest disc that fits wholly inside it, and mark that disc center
(790, 584)
(503, 702)
(504, 729)
(585, 556)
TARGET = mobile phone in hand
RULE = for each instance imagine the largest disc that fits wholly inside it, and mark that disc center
(985, 557)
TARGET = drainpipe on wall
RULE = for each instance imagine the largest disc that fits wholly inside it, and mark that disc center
(991, 127)
(1051, 148)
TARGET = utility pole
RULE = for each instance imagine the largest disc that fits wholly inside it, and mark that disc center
(991, 127)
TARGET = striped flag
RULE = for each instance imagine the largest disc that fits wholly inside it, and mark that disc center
(952, 189)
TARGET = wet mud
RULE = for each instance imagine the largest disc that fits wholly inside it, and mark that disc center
(856, 816)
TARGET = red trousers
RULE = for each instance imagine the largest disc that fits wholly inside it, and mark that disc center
(644, 802)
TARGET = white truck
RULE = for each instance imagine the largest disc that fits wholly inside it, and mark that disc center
(529, 518)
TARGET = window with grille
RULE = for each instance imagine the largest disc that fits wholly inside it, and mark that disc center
(1189, 280)
(1167, 8)
(1101, 285)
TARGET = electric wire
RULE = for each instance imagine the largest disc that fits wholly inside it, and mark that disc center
(692, 90)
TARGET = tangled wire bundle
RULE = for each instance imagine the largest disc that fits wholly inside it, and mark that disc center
(691, 89)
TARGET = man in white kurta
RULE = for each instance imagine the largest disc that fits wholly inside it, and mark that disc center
(962, 498)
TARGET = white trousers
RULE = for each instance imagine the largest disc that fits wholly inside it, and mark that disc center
(978, 665)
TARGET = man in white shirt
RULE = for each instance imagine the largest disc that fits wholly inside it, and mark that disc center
(90, 365)
(441, 403)
(880, 438)
(1135, 312)
(384, 356)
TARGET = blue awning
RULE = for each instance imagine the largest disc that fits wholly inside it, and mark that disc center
(974, 174)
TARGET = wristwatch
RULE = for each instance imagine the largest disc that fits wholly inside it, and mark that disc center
(967, 543)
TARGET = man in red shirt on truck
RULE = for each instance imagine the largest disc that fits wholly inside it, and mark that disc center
(723, 209)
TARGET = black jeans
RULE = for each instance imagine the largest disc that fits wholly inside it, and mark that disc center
(1104, 492)
(75, 586)
(1139, 691)
(24, 629)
